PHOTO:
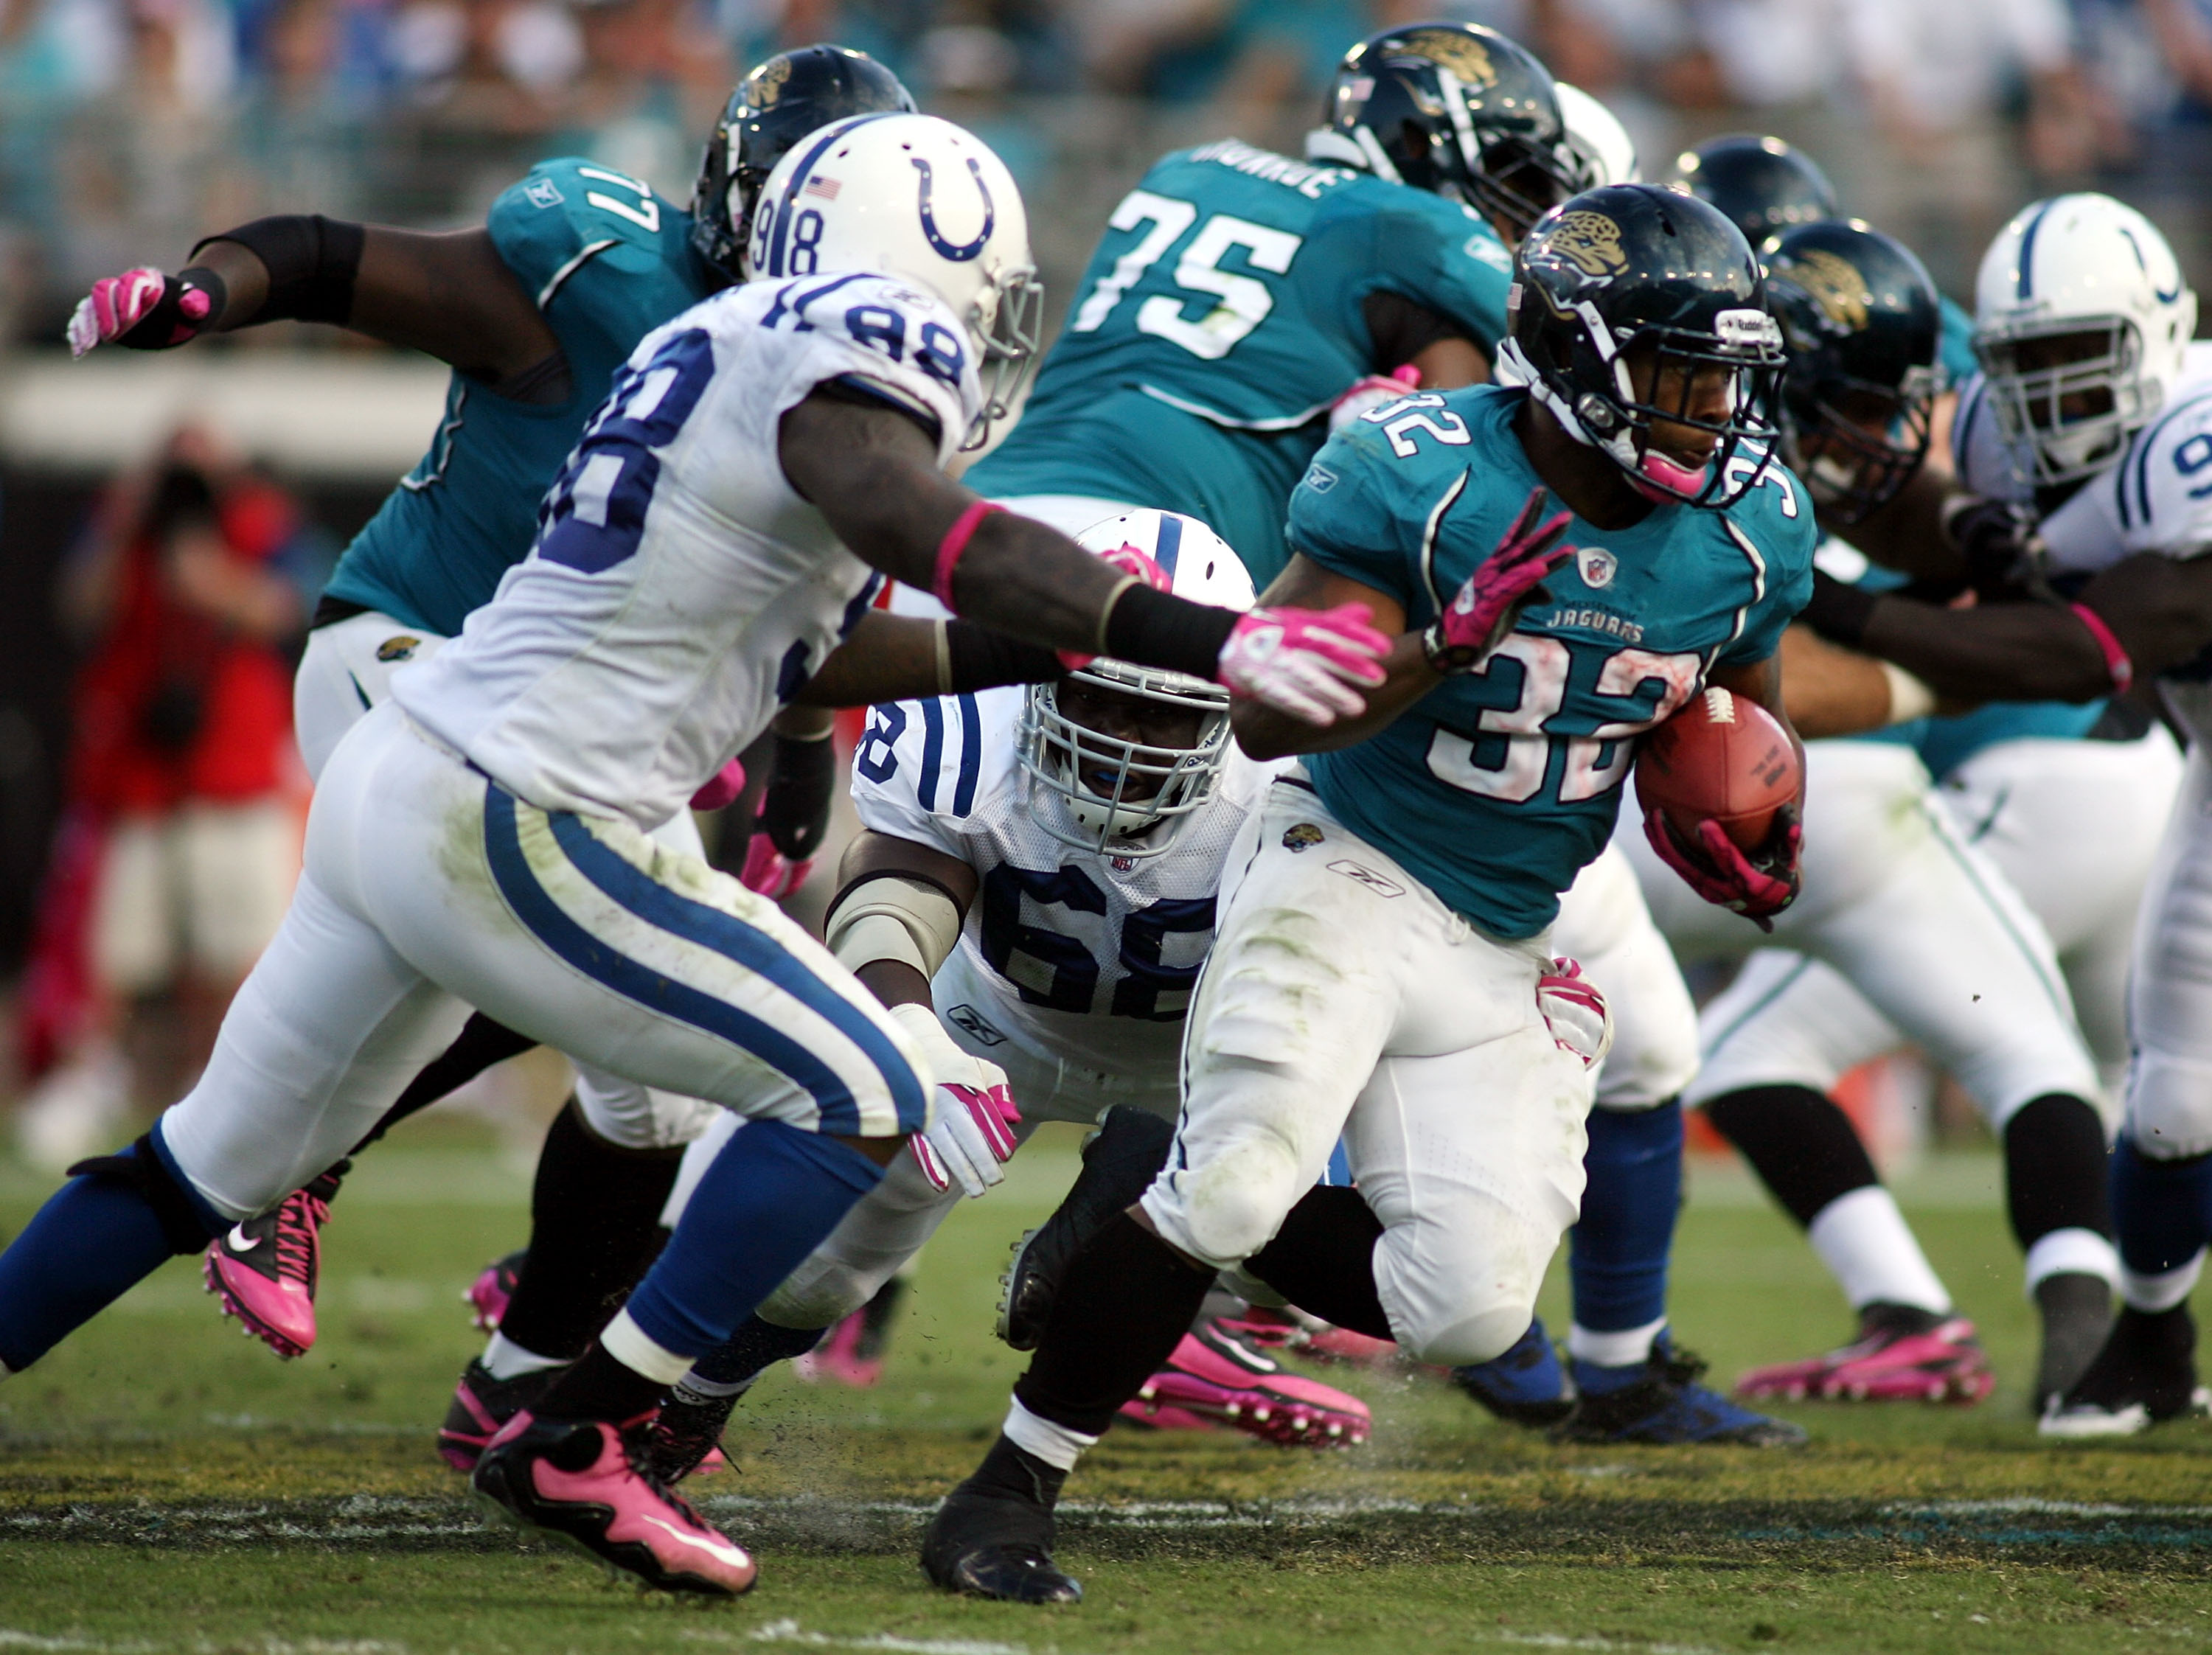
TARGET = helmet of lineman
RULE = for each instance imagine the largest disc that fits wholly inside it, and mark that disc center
(1454, 108)
(1599, 145)
(1860, 324)
(2082, 321)
(1763, 185)
(1632, 308)
(915, 196)
(1127, 747)
(778, 103)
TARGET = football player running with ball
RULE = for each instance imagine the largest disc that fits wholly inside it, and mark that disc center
(481, 840)
(1386, 912)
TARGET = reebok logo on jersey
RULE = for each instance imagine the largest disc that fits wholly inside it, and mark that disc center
(969, 1021)
(1320, 479)
(1368, 877)
(543, 192)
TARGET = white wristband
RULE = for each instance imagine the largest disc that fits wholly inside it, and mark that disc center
(1908, 698)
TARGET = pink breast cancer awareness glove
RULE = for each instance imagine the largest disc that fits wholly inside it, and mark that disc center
(770, 872)
(1310, 664)
(1371, 391)
(1717, 870)
(141, 310)
(972, 1138)
(722, 788)
(1503, 584)
(1575, 1012)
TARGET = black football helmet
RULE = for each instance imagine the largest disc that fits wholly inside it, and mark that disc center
(1454, 108)
(1860, 323)
(1634, 279)
(1763, 185)
(778, 103)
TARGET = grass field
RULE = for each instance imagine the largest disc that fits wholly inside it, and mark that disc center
(166, 1485)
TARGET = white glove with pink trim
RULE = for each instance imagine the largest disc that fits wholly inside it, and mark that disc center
(1575, 1012)
(118, 306)
(1371, 391)
(1310, 664)
(970, 1134)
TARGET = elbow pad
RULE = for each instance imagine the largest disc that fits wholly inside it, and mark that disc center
(312, 262)
(890, 916)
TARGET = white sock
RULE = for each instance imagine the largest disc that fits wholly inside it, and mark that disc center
(2153, 1294)
(2073, 1252)
(710, 1389)
(1873, 1254)
(503, 1358)
(1628, 1348)
(626, 1341)
(1055, 1444)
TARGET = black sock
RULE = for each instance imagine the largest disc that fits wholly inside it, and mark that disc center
(598, 1387)
(1125, 1303)
(1322, 1260)
(755, 1348)
(1801, 1145)
(1010, 1471)
(594, 1231)
(2057, 1169)
(480, 1043)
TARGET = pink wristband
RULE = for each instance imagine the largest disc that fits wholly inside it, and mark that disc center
(2123, 670)
(954, 544)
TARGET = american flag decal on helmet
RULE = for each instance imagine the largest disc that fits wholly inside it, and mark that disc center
(825, 188)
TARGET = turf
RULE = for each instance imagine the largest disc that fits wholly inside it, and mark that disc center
(166, 1486)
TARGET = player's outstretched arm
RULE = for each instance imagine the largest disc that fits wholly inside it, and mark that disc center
(449, 295)
(898, 658)
(872, 471)
(1267, 735)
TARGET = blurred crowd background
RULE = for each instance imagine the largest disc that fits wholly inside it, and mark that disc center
(157, 574)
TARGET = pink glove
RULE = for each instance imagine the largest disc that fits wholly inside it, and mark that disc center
(971, 1137)
(1717, 870)
(1305, 662)
(142, 310)
(722, 788)
(1503, 585)
(1575, 1012)
(1371, 391)
(770, 872)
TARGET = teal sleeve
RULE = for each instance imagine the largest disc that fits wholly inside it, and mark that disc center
(1787, 544)
(1447, 260)
(1955, 349)
(1344, 517)
(543, 224)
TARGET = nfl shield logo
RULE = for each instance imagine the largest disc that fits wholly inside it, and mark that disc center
(1122, 864)
(1595, 565)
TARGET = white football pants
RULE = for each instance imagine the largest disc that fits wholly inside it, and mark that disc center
(1920, 923)
(2169, 1102)
(1604, 922)
(428, 890)
(1342, 998)
(345, 669)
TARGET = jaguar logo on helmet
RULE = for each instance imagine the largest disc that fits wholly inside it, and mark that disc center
(1833, 282)
(765, 84)
(1466, 58)
(1589, 241)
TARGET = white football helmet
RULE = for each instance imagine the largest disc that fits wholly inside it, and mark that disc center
(1597, 143)
(915, 196)
(1098, 777)
(2079, 264)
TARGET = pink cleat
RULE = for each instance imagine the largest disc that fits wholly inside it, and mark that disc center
(488, 1295)
(1315, 1339)
(854, 1352)
(1216, 1377)
(1893, 1360)
(265, 1271)
(581, 1481)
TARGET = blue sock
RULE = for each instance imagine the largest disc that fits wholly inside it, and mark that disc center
(771, 1197)
(97, 1238)
(2161, 1209)
(1618, 1251)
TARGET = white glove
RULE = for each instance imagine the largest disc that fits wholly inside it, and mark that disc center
(1371, 391)
(970, 1134)
(1575, 1012)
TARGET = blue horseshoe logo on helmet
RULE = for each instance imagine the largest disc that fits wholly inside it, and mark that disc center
(961, 253)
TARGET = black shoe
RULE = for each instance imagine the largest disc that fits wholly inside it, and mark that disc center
(482, 1404)
(689, 1428)
(993, 1535)
(2077, 1314)
(1120, 1162)
(1667, 1405)
(2145, 1374)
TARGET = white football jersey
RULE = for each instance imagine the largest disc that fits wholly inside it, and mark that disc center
(1071, 955)
(679, 591)
(2158, 498)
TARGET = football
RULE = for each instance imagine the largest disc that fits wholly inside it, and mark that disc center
(1721, 758)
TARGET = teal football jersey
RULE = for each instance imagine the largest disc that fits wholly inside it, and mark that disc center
(1954, 345)
(607, 261)
(1497, 787)
(1221, 315)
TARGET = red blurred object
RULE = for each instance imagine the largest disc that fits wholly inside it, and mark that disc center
(1722, 759)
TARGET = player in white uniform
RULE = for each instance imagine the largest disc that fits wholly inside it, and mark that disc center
(481, 838)
(2105, 409)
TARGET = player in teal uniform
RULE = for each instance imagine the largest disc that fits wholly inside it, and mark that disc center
(1381, 972)
(1237, 295)
(534, 312)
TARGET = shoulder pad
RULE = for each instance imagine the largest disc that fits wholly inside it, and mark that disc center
(568, 209)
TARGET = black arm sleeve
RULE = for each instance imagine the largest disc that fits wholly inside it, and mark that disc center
(1402, 330)
(312, 262)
